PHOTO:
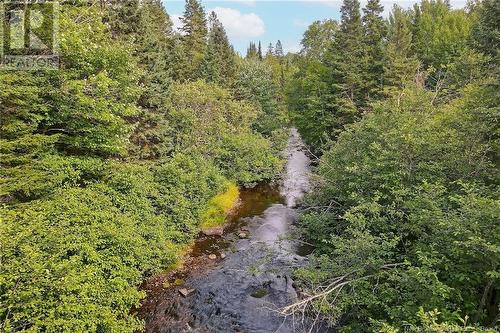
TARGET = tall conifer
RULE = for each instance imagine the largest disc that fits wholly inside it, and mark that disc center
(252, 51)
(219, 61)
(344, 61)
(270, 50)
(375, 32)
(194, 39)
(154, 50)
(278, 50)
(400, 66)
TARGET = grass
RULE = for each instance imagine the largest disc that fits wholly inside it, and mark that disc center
(219, 206)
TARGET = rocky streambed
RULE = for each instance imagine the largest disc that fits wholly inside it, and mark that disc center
(238, 282)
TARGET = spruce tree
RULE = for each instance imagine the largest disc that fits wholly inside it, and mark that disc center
(270, 50)
(194, 38)
(122, 16)
(259, 51)
(375, 32)
(278, 50)
(344, 60)
(154, 46)
(486, 31)
(400, 66)
(252, 51)
(346, 53)
(219, 62)
(349, 43)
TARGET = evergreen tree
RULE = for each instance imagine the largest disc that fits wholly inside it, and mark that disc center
(154, 45)
(219, 61)
(400, 66)
(344, 60)
(375, 32)
(123, 16)
(350, 50)
(278, 50)
(194, 38)
(486, 31)
(259, 51)
(252, 51)
(270, 50)
(154, 49)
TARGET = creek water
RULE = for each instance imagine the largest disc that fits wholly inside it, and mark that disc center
(243, 291)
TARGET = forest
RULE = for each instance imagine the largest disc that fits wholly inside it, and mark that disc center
(112, 164)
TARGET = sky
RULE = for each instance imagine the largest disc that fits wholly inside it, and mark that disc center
(270, 20)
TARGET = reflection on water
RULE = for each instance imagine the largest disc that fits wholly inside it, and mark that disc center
(253, 202)
(240, 292)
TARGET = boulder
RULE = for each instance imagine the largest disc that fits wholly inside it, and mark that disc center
(212, 256)
(216, 231)
(186, 292)
(242, 235)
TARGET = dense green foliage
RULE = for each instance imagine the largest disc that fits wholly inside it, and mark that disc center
(366, 57)
(111, 163)
(411, 185)
(219, 62)
(404, 218)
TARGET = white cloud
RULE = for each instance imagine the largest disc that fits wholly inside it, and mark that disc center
(239, 25)
(300, 23)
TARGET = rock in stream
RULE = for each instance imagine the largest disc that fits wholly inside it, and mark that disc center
(244, 291)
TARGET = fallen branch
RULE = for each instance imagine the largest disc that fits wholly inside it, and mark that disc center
(336, 285)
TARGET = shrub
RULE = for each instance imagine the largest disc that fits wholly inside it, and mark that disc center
(219, 206)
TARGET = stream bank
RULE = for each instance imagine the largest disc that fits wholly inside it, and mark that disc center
(248, 277)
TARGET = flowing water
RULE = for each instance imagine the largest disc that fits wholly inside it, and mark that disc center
(242, 291)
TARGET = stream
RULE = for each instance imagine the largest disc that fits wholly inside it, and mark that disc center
(250, 279)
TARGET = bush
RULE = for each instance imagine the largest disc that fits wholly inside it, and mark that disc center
(219, 206)
(210, 123)
(406, 210)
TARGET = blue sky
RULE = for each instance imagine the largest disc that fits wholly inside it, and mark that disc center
(268, 21)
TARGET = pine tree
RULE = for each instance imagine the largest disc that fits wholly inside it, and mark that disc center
(194, 38)
(154, 45)
(400, 66)
(219, 62)
(259, 51)
(375, 31)
(349, 44)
